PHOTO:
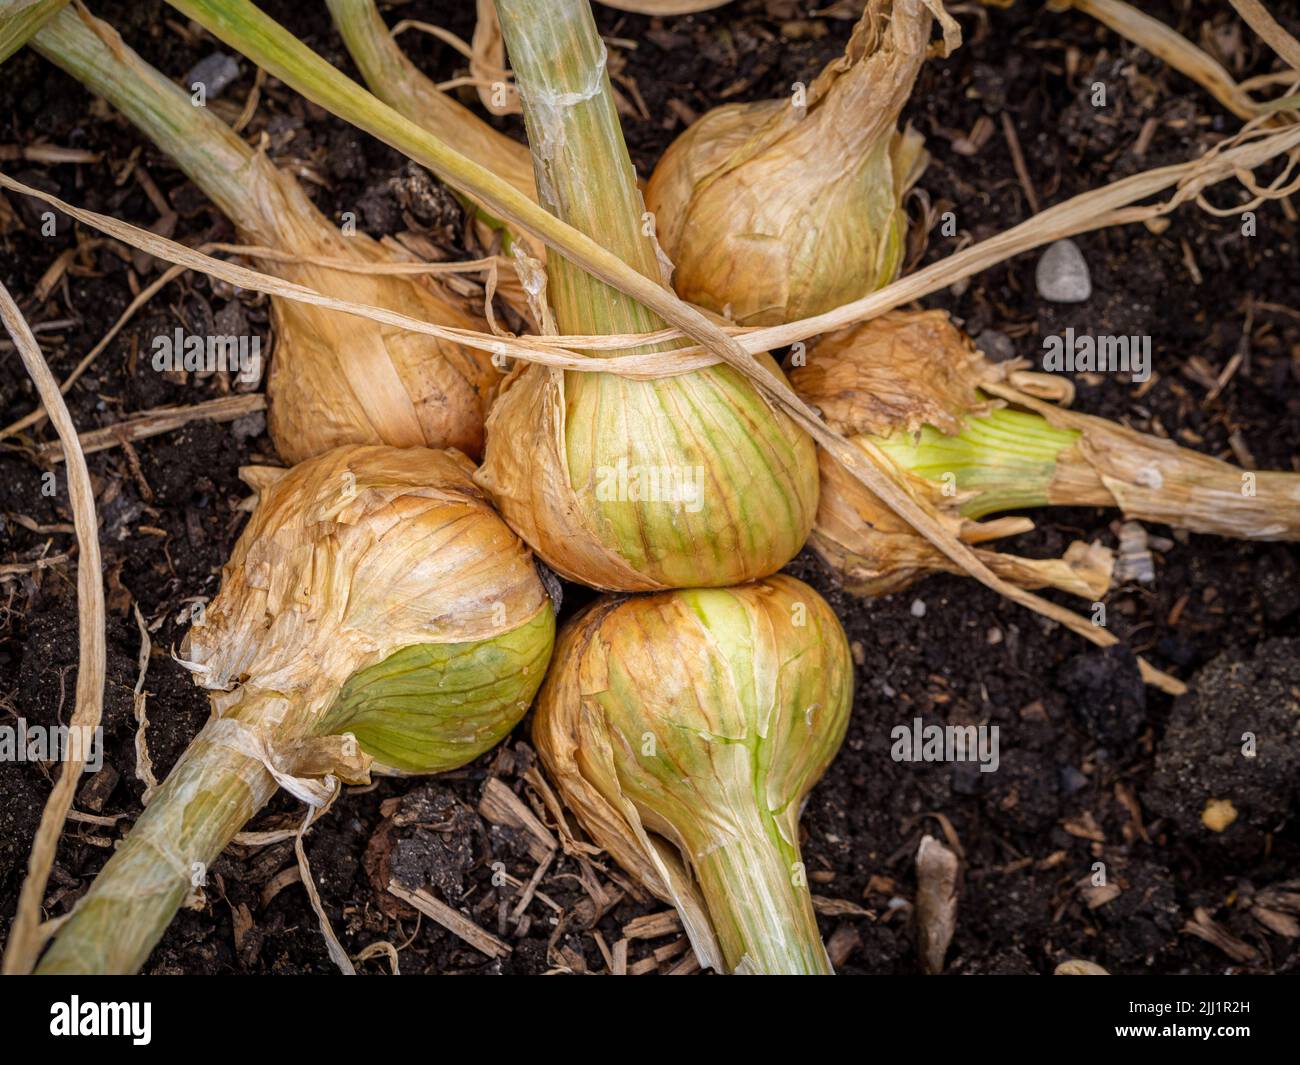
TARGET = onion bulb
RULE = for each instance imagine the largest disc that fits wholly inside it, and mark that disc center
(684, 730)
(336, 378)
(375, 614)
(968, 438)
(619, 483)
(783, 209)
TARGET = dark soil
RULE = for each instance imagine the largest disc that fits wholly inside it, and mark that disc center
(1096, 771)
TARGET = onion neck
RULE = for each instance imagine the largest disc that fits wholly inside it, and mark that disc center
(213, 791)
(1152, 479)
(1008, 459)
(759, 903)
(249, 189)
(1047, 456)
(580, 161)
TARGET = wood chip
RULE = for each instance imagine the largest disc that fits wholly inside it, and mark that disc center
(286, 876)
(671, 950)
(95, 792)
(453, 920)
(1205, 927)
(826, 907)
(1084, 827)
(502, 806)
(843, 942)
(689, 965)
(603, 947)
(1282, 924)
(1130, 803)
(530, 889)
(1097, 895)
(645, 965)
(653, 925)
(937, 873)
(242, 919)
(159, 421)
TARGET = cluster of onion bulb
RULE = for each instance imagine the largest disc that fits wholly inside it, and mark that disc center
(379, 614)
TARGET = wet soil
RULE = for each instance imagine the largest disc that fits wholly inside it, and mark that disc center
(1096, 773)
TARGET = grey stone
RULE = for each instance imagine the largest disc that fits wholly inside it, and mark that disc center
(996, 345)
(1062, 274)
(215, 71)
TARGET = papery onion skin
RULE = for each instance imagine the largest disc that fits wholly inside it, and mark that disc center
(684, 730)
(576, 445)
(772, 212)
(375, 613)
(910, 375)
(975, 437)
(356, 556)
(335, 378)
(621, 484)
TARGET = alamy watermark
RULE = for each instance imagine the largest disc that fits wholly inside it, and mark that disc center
(241, 355)
(60, 743)
(1100, 354)
(77, 1018)
(919, 742)
(682, 486)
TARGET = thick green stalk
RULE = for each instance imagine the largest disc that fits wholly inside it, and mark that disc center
(210, 153)
(19, 19)
(1007, 457)
(208, 797)
(584, 175)
(400, 84)
(761, 911)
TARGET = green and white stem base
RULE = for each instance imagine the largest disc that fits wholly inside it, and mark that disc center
(213, 791)
(1011, 459)
(760, 906)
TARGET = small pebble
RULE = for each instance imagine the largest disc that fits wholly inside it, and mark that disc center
(1134, 561)
(1062, 274)
(1079, 967)
(1218, 814)
(994, 636)
(1072, 780)
(918, 608)
(1150, 477)
(215, 72)
(996, 345)
(249, 427)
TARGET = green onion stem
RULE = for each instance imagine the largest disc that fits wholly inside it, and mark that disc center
(213, 791)
(585, 176)
(763, 919)
(402, 86)
(1012, 459)
(580, 161)
(18, 21)
(242, 183)
(1007, 458)
(243, 26)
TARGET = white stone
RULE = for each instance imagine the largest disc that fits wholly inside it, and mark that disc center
(1062, 274)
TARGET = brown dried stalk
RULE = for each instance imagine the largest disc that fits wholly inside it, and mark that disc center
(25, 938)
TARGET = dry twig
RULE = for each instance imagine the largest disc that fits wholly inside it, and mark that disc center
(25, 938)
